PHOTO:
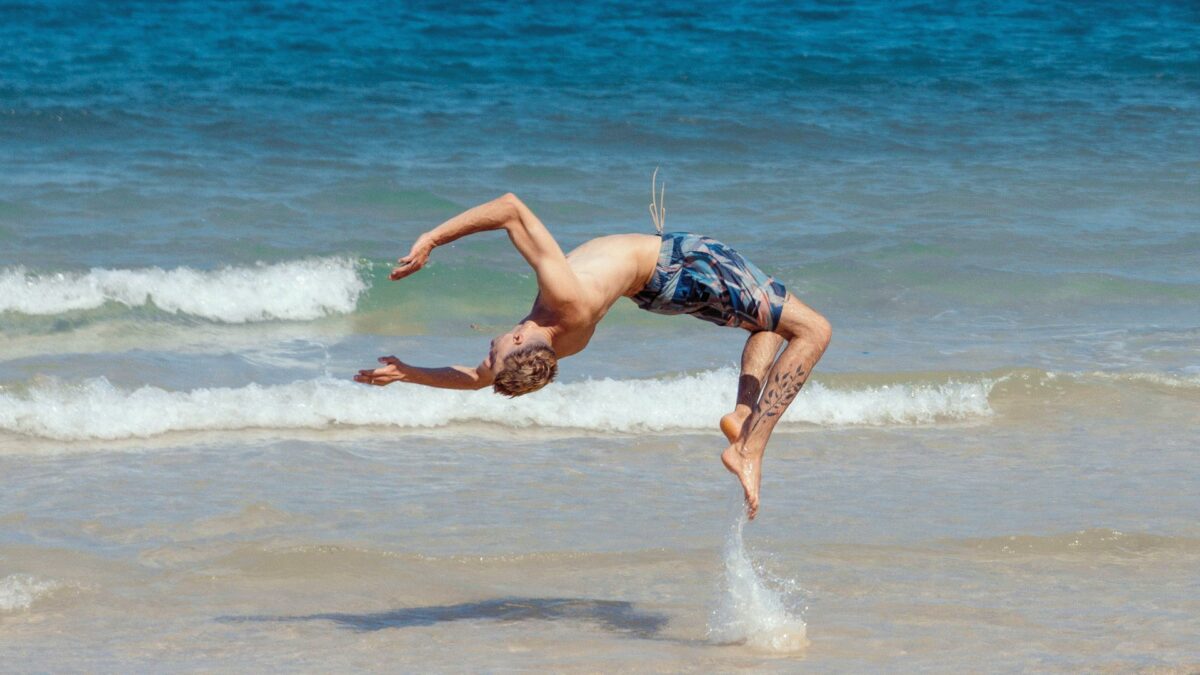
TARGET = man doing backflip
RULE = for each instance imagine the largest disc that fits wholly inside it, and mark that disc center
(673, 273)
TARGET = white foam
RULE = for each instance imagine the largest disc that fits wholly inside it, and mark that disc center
(20, 591)
(297, 290)
(95, 409)
(1160, 379)
(749, 611)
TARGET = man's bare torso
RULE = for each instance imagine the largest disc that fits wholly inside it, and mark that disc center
(607, 268)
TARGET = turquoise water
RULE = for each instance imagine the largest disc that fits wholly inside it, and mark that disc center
(937, 170)
(997, 204)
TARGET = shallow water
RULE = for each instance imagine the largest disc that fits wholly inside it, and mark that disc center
(1056, 538)
(994, 203)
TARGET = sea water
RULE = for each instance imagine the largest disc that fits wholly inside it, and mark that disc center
(995, 204)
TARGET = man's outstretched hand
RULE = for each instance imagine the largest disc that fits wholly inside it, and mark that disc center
(415, 260)
(393, 370)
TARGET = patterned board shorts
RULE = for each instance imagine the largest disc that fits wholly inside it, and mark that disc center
(700, 276)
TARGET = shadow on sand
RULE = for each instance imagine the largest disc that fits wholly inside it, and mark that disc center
(615, 616)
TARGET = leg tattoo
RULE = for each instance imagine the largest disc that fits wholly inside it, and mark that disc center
(778, 396)
(757, 357)
(808, 334)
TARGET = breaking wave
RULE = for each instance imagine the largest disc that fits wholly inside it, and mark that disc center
(298, 290)
(95, 409)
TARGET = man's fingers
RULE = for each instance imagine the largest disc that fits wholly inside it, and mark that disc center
(410, 263)
(407, 265)
(377, 380)
(385, 374)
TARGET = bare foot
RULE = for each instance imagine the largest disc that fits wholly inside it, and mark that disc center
(731, 424)
(748, 468)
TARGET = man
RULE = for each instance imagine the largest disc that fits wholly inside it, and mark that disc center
(673, 273)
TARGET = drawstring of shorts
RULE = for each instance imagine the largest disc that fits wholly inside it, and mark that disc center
(658, 208)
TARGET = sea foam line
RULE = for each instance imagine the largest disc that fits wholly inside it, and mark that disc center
(297, 290)
(20, 591)
(95, 409)
(1160, 379)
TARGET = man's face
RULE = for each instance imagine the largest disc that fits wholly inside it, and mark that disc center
(501, 346)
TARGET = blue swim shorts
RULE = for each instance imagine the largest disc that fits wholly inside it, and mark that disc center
(700, 276)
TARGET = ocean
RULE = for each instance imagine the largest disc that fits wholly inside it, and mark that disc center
(996, 204)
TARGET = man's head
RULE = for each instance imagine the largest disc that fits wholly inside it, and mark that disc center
(522, 361)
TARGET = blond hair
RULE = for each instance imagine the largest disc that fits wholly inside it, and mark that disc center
(526, 369)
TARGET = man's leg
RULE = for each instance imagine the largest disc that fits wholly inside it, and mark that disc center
(807, 333)
(757, 356)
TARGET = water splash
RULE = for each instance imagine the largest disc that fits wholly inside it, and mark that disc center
(750, 612)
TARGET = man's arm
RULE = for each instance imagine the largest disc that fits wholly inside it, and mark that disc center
(557, 282)
(450, 377)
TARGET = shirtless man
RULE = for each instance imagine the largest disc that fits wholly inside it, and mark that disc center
(673, 273)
